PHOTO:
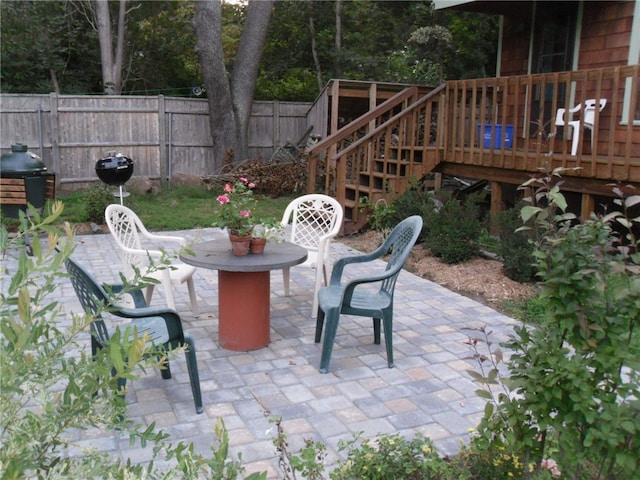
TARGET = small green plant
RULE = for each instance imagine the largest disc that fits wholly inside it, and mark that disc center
(309, 462)
(96, 199)
(416, 200)
(530, 310)
(268, 228)
(392, 456)
(452, 231)
(488, 242)
(383, 215)
(380, 214)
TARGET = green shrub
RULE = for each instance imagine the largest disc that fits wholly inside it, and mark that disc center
(516, 248)
(452, 231)
(489, 242)
(392, 456)
(416, 200)
(380, 215)
(96, 199)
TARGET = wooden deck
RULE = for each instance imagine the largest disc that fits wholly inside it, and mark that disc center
(412, 134)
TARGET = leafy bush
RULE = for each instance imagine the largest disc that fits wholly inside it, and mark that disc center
(96, 200)
(531, 310)
(574, 380)
(516, 248)
(416, 200)
(452, 231)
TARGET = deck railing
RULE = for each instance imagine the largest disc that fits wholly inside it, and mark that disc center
(509, 122)
(504, 124)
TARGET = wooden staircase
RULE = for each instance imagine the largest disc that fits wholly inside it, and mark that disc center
(377, 155)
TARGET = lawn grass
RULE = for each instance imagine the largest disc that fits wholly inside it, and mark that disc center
(173, 208)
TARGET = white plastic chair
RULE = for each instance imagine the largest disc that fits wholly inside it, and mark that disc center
(127, 230)
(315, 220)
(588, 122)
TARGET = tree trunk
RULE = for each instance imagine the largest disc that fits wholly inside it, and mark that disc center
(245, 69)
(111, 64)
(338, 40)
(230, 96)
(314, 53)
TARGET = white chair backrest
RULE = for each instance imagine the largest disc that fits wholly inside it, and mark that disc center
(590, 106)
(125, 226)
(312, 217)
(590, 110)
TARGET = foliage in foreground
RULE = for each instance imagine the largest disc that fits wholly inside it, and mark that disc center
(573, 388)
(51, 388)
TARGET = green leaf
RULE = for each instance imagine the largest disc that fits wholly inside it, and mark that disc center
(528, 212)
(484, 394)
(632, 201)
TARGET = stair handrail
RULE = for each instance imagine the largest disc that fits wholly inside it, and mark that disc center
(363, 120)
(391, 120)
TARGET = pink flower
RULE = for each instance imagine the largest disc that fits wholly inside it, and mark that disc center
(245, 213)
(228, 188)
(551, 465)
(244, 179)
(222, 199)
(252, 185)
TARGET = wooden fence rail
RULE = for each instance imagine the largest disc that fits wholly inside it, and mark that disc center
(162, 135)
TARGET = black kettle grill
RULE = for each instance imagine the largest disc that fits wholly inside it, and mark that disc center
(115, 169)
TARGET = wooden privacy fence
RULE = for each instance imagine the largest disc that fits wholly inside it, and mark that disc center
(162, 135)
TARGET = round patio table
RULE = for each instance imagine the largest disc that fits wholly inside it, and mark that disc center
(244, 289)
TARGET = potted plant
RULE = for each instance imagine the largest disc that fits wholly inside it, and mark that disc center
(234, 213)
(265, 230)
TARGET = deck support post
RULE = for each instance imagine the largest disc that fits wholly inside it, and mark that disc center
(496, 207)
(588, 205)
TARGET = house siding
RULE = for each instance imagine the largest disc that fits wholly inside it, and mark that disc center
(606, 34)
(604, 42)
(515, 52)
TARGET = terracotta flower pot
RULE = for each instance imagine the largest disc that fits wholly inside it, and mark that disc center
(258, 244)
(240, 245)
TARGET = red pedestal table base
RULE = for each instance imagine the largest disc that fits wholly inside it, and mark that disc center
(244, 300)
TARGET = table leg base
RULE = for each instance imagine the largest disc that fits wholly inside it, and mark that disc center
(244, 303)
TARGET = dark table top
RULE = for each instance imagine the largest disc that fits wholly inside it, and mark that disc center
(216, 255)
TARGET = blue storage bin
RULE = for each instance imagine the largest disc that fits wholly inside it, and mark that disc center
(494, 132)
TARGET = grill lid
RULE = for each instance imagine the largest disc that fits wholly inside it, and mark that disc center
(114, 169)
(21, 161)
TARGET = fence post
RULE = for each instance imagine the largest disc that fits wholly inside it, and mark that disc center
(276, 124)
(55, 137)
(162, 140)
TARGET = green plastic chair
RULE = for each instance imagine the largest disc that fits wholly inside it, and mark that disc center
(163, 325)
(356, 297)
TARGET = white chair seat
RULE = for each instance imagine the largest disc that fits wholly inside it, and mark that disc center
(128, 231)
